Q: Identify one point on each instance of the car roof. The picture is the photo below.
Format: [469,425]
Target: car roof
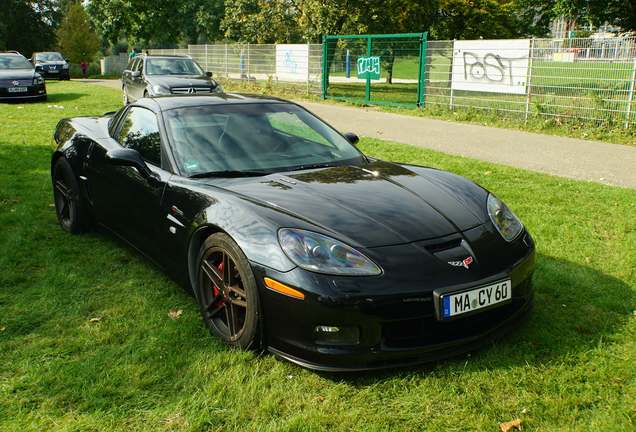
[11,54]
[180,56]
[183,101]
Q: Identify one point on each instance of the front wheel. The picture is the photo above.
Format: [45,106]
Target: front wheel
[227,293]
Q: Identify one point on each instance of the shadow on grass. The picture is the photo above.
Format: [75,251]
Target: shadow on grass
[64,97]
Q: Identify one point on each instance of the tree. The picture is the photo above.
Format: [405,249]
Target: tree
[151,23]
[76,39]
[27,26]
[474,19]
[593,12]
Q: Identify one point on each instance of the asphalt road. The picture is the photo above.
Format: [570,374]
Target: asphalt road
[595,161]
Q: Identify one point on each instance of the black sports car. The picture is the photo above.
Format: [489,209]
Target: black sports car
[290,238]
[18,80]
[51,65]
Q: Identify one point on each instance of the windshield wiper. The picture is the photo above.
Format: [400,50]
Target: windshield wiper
[311,166]
[229,173]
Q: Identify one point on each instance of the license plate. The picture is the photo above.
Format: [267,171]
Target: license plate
[17,89]
[475,299]
[52,70]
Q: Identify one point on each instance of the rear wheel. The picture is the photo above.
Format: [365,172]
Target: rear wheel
[227,293]
[69,207]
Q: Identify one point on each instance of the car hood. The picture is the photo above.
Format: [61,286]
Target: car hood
[16,74]
[56,63]
[170,81]
[379,204]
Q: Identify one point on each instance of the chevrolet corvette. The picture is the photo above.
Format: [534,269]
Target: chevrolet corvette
[292,240]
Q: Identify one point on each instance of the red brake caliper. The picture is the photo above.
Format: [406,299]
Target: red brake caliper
[215,289]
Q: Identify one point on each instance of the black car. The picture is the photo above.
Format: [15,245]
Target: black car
[19,80]
[51,65]
[154,75]
[290,238]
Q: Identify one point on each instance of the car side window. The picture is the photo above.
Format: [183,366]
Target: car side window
[140,131]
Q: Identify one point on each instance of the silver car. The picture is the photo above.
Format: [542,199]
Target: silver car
[157,75]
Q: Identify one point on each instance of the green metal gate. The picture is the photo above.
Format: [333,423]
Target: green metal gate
[387,69]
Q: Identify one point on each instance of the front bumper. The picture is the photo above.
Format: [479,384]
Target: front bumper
[34,92]
[58,73]
[397,329]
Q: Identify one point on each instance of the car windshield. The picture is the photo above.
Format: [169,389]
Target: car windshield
[49,57]
[172,66]
[14,62]
[261,137]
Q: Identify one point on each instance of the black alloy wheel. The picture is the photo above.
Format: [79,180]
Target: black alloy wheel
[227,293]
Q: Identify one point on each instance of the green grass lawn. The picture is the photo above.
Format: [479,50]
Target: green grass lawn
[86,342]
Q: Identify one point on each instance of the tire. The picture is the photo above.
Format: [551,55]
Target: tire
[69,206]
[228,300]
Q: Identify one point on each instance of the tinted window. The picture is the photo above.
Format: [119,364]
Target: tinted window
[140,131]
[14,62]
[256,136]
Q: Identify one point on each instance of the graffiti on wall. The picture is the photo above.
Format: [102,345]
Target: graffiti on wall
[497,66]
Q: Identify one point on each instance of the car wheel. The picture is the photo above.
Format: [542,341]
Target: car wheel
[227,293]
[69,207]
[126,101]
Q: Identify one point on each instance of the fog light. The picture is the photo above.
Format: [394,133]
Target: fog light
[332,335]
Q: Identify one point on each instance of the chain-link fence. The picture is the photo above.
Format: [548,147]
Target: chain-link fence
[298,64]
[585,79]
[591,80]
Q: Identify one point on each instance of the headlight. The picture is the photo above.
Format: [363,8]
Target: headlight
[65,66]
[316,252]
[160,90]
[507,223]
[38,80]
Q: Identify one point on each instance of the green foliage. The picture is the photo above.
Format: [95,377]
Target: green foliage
[75,37]
[261,21]
[29,26]
[538,13]
[472,19]
[151,23]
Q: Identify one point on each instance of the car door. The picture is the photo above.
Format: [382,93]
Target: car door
[126,75]
[128,202]
[139,84]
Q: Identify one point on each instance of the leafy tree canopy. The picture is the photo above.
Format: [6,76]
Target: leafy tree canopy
[29,26]
[152,23]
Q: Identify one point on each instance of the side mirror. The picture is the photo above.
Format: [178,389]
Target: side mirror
[136,74]
[132,158]
[351,137]
[208,74]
